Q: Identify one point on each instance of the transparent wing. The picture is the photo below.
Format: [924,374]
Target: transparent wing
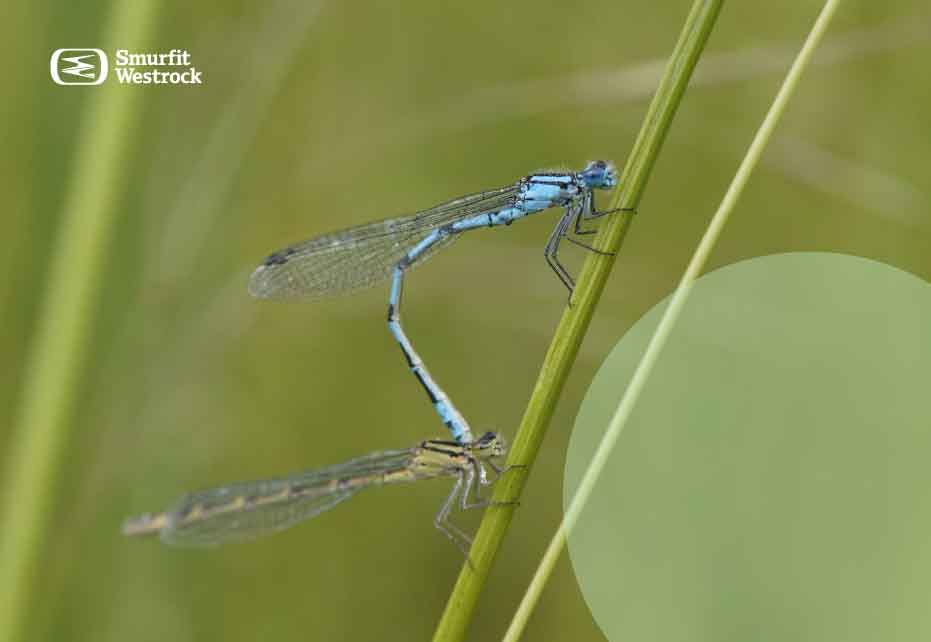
[249,509]
[232,525]
[361,256]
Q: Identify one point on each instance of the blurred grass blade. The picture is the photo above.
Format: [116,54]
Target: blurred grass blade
[197,209]
[64,328]
[521,98]
[859,183]
[575,320]
[668,320]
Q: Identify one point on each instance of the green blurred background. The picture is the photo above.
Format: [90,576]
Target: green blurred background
[315,116]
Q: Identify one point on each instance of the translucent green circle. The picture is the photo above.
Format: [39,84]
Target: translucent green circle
[773,482]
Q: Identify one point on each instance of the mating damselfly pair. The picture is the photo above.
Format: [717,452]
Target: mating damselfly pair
[353,259]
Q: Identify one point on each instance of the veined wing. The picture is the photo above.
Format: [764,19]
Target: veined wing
[358,257]
[249,509]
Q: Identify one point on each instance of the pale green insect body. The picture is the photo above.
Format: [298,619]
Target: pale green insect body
[244,510]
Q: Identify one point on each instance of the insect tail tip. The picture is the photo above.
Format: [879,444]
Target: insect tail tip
[147,524]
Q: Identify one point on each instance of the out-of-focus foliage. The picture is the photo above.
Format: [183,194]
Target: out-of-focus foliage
[315,116]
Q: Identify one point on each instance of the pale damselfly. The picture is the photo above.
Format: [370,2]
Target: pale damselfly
[361,256]
[245,510]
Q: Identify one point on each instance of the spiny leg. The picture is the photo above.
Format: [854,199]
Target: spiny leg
[501,471]
[589,247]
[454,421]
[475,471]
[593,209]
[484,481]
[442,523]
[593,213]
[559,232]
[588,205]
[441,520]
[552,248]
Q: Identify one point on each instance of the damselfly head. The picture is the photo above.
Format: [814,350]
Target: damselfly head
[489,445]
[599,174]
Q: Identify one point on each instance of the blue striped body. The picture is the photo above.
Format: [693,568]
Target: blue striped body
[348,260]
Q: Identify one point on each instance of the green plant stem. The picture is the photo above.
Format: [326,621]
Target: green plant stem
[575,320]
[64,328]
[663,329]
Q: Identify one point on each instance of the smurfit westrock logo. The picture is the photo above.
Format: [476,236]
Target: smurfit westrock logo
[135,68]
[91,67]
[79,66]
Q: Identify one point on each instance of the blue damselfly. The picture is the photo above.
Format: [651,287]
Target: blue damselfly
[361,256]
